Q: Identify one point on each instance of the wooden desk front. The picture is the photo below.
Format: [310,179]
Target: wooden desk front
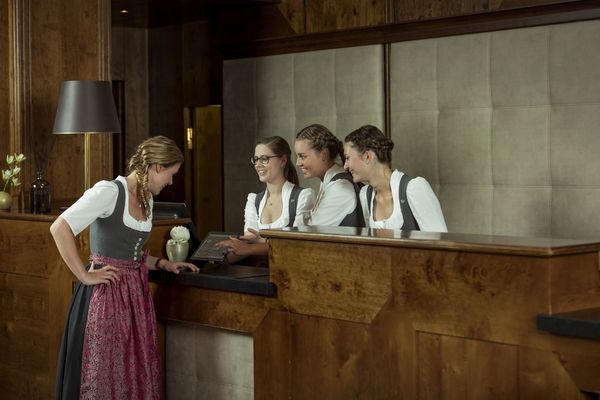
[358,314]
[382,315]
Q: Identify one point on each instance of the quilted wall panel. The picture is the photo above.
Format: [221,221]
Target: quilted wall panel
[506,127]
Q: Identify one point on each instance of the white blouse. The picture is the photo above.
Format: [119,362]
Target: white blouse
[422,201]
[335,200]
[306,199]
[99,202]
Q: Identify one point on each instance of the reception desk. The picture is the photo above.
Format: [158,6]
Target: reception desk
[343,313]
[406,315]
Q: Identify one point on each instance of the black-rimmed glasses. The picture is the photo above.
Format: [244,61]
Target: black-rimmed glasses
[264,160]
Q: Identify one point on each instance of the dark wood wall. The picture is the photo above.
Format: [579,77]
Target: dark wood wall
[4,94]
[318,16]
[51,41]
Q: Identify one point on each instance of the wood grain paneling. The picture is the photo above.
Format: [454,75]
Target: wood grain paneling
[272,355]
[35,288]
[331,15]
[506,4]
[293,11]
[351,292]
[575,287]
[421,9]
[4,83]
[130,64]
[166,95]
[328,358]
[542,372]
[457,25]
[55,41]
[197,62]
[457,368]
[453,321]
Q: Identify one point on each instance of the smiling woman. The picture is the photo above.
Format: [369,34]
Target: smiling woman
[282,202]
[110,334]
[337,202]
[391,199]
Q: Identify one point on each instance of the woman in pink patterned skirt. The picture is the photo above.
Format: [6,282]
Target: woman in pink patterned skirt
[109,348]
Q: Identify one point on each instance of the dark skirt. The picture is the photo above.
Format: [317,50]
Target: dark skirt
[68,374]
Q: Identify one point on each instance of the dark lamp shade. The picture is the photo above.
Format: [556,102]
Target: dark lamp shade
[86,107]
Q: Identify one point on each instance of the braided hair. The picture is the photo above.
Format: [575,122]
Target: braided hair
[321,138]
[155,150]
[280,147]
[368,137]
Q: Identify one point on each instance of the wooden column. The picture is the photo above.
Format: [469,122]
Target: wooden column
[51,41]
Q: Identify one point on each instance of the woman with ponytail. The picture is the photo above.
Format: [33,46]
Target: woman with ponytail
[109,348]
[391,199]
[282,203]
[337,201]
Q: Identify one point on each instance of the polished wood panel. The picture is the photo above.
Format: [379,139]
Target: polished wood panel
[129,63]
[166,95]
[199,63]
[5,126]
[207,181]
[371,317]
[293,11]
[456,25]
[542,370]
[331,15]
[450,367]
[453,319]
[420,9]
[530,246]
[35,288]
[54,41]
[505,4]
[352,292]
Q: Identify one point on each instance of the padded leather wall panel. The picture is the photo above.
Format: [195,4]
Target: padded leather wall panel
[506,126]
[279,95]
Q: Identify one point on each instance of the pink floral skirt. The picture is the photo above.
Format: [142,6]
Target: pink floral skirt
[119,352]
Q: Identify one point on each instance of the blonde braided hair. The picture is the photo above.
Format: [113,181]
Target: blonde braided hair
[155,150]
[321,138]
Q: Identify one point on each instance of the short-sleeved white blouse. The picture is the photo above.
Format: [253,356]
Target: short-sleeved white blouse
[99,202]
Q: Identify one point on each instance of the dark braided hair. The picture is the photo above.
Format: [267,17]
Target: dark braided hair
[368,137]
[321,138]
[155,150]
[280,146]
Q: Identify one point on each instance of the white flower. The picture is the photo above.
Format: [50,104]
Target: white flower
[180,234]
[9,175]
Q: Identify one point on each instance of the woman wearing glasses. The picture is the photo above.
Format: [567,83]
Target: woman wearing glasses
[337,202]
[282,203]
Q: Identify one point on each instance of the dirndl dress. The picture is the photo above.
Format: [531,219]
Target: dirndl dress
[109,348]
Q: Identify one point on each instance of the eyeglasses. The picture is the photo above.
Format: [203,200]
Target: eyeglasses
[264,160]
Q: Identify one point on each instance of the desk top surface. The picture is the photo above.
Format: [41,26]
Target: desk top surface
[527,246]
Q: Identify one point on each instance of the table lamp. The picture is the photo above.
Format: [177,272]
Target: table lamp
[86,107]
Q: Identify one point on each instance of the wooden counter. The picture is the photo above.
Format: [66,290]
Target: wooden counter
[357,313]
[389,314]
